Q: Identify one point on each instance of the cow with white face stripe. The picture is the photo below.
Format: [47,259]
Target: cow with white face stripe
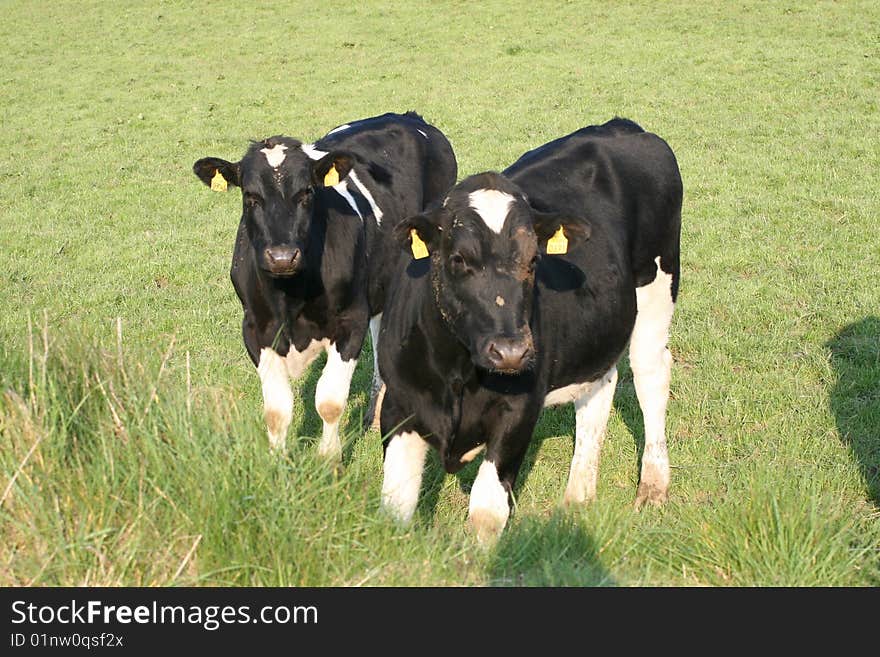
[535,282]
[307,265]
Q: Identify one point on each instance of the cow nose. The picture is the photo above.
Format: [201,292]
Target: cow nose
[509,354]
[282,259]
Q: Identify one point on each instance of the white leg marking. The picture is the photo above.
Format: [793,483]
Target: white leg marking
[377,391]
[651,364]
[488,509]
[471,454]
[331,396]
[298,361]
[275,156]
[362,188]
[591,412]
[492,206]
[277,397]
[403,467]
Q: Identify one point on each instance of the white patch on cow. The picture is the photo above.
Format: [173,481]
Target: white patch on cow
[298,361]
[277,397]
[331,396]
[471,454]
[488,509]
[651,365]
[275,155]
[423,133]
[566,394]
[341,188]
[377,212]
[592,409]
[499,301]
[402,480]
[311,152]
[492,206]
[339,129]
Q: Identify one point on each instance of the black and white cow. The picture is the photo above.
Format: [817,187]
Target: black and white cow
[480,336]
[307,254]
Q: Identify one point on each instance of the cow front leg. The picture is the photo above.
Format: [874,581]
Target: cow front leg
[331,397]
[488,509]
[277,397]
[489,506]
[591,415]
[275,373]
[402,474]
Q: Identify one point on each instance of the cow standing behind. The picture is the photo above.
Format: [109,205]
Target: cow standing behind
[480,336]
[306,260]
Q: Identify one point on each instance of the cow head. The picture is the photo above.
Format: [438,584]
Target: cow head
[279,183]
[484,243]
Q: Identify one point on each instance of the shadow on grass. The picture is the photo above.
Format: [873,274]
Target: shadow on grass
[532,551]
[554,551]
[855,397]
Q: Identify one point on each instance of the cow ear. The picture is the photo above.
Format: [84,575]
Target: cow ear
[217,173]
[558,234]
[332,168]
[420,235]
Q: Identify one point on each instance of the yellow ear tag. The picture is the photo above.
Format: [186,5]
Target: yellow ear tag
[419,248]
[558,244]
[218,182]
[332,177]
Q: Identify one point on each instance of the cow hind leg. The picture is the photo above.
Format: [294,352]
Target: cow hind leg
[331,397]
[402,474]
[651,365]
[377,390]
[277,397]
[591,415]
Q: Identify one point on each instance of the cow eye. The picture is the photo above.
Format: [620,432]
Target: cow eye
[304,197]
[533,263]
[252,200]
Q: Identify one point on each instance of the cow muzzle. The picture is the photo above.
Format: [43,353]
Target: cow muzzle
[509,355]
[282,260]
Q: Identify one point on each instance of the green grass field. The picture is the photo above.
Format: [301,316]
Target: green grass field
[132,448]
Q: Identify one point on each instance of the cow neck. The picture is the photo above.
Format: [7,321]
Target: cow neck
[449,364]
[288,295]
[444,343]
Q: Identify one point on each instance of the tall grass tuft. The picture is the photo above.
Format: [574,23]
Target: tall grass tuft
[120,471]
